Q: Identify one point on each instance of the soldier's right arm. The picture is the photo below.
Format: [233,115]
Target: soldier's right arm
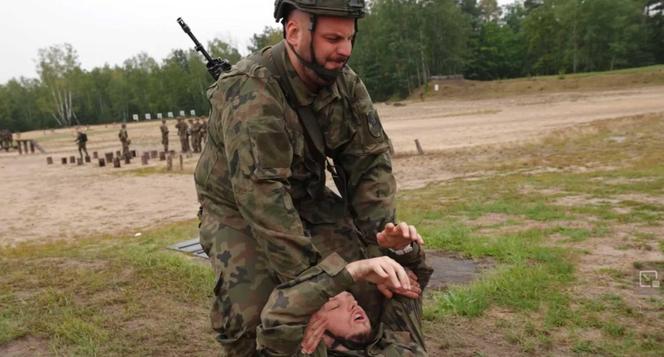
[259,152]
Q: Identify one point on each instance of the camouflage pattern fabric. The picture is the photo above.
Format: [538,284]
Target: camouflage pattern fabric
[255,176]
[82,145]
[204,130]
[124,139]
[164,136]
[287,312]
[182,128]
[196,136]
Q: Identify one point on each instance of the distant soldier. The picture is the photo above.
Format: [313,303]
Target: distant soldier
[182,128]
[3,139]
[82,140]
[7,139]
[124,139]
[189,145]
[204,129]
[196,135]
[164,134]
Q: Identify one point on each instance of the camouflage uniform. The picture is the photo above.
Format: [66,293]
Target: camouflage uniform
[196,136]
[182,128]
[204,129]
[7,139]
[124,139]
[290,306]
[82,140]
[267,215]
[164,135]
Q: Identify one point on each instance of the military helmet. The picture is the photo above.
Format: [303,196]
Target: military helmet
[341,8]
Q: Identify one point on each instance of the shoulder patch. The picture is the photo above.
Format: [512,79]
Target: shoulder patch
[375,128]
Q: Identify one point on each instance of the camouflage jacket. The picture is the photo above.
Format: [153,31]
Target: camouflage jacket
[164,130]
[195,128]
[182,128]
[287,312]
[254,172]
[123,136]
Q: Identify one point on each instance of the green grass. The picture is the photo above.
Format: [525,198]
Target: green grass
[107,295]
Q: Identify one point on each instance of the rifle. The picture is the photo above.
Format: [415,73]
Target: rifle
[214,65]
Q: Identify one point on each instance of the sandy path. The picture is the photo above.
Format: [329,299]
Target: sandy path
[51,202]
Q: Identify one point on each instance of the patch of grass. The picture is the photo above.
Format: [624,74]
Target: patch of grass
[108,295]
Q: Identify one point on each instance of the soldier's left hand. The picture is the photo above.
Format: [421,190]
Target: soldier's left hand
[313,333]
[413,293]
[398,237]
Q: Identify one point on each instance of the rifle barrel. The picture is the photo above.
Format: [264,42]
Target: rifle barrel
[199,47]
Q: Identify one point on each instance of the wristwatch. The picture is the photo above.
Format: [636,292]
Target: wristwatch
[407,249]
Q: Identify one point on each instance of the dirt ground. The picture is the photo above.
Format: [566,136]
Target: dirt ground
[43,203]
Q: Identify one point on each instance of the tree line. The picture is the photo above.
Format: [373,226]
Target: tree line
[400,45]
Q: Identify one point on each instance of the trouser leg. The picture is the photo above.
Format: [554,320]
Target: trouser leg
[402,314]
[242,288]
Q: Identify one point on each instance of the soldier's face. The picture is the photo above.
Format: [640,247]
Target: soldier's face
[346,319]
[333,41]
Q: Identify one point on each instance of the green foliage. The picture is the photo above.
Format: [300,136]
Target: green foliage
[108,94]
[400,45]
[270,36]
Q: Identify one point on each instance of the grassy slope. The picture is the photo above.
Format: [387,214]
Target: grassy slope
[620,79]
[128,295]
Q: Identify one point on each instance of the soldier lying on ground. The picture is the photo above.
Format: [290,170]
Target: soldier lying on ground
[321,318]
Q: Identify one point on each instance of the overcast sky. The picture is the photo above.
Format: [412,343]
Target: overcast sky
[110,31]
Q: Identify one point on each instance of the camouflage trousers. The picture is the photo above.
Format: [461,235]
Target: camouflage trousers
[81,149]
[164,141]
[184,143]
[244,283]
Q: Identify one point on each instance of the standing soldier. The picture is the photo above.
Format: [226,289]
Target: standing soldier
[164,134]
[182,128]
[124,139]
[7,139]
[196,136]
[277,120]
[3,139]
[204,129]
[82,141]
[188,141]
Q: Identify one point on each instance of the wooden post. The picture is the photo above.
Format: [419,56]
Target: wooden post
[32,147]
[153,154]
[127,160]
[116,162]
[102,162]
[49,161]
[162,156]
[95,155]
[79,162]
[64,161]
[72,159]
[181,163]
[109,157]
[169,163]
[20,148]
[419,147]
[133,153]
[87,159]
[144,159]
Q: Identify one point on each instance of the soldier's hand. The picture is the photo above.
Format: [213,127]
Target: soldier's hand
[398,237]
[313,333]
[381,270]
[414,292]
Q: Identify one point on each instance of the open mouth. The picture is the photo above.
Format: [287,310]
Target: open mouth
[358,315]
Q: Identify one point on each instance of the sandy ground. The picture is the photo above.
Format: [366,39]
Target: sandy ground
[62,202]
